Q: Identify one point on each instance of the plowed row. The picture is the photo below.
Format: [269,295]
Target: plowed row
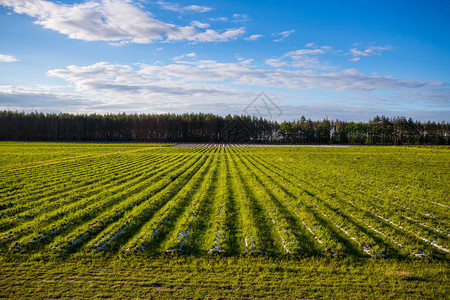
[354,201]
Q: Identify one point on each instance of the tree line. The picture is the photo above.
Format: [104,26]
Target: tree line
[210,128]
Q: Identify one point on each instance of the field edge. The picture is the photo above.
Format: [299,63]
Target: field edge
[182,276]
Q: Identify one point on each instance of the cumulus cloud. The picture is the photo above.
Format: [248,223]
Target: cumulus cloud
[282,35]
[199,24]
[207,77]
[211,86]
[144,82]
[7,58]
[210,35]
[177,8]
[114,21]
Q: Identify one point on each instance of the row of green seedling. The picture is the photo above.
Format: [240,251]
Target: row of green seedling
[106,200]
[95,187]
[357,208]
[164,203]
[95,223]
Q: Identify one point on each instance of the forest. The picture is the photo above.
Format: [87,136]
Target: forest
[210,128]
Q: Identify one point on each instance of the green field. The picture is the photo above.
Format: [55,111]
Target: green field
[224,221]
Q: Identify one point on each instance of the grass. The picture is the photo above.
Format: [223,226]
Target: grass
[97,220]
[183,276]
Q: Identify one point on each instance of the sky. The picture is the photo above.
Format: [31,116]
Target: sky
[346,60]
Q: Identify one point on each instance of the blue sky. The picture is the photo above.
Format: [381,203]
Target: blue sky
[347,60]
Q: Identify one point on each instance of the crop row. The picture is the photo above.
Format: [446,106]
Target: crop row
[228,200]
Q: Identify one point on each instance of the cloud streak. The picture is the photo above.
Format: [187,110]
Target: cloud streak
[283,35]
[303,58]
[7,58]
[182,9]
[371,51]
[43,98]
[31,99]
[254,37]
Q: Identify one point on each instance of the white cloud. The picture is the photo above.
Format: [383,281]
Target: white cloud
[245,61]
[197,8]
[305,52]
[355,59]
[349,112]
[7,58]
[240,18]
[211,86]
[302,58]
[115,21]
[221,19]
[254,37]
[283,35]
[177,8]
[371,51]
[184,55]
[327,48]
[310,45]
[213,36]
[32,98]
[151,88]
[198,79]
[275,62]
[42,98]
[199,24]
[307,62]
